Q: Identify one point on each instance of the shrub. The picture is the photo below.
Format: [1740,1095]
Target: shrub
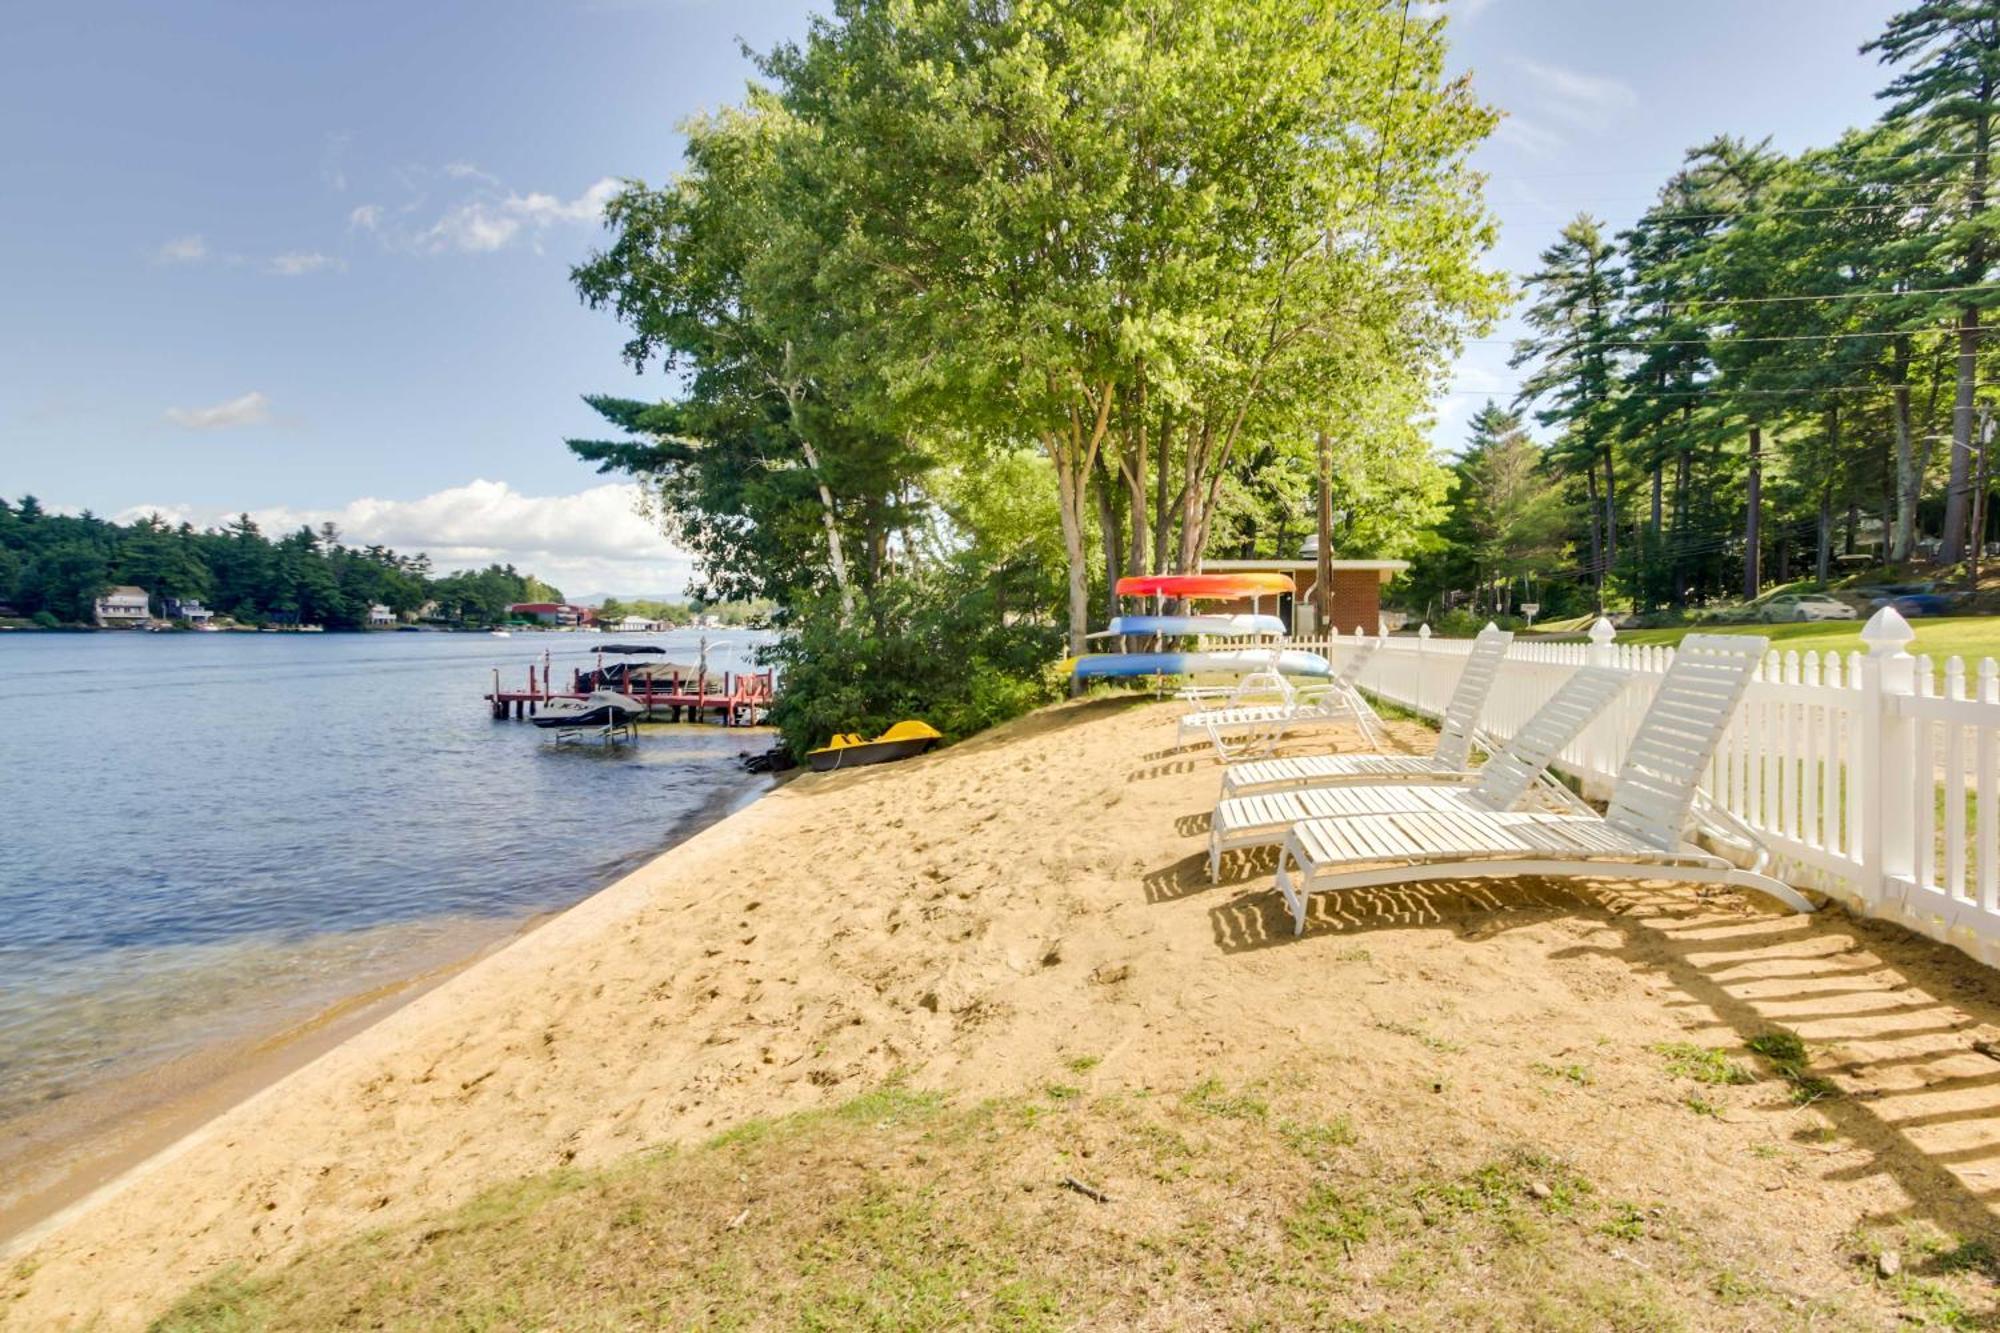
[927,646]
[46,620]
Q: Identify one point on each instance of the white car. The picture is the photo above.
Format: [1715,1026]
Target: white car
[1798,606]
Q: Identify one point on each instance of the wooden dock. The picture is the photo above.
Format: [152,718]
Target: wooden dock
[733,698]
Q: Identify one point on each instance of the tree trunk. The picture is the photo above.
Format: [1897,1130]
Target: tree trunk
[836,557]
[1909,479]
[1958,495]
[1610,510]
[1683,478]
[1069,490]
[1132,463]
[1753,535]
[1957,500]
[1112,536]
[1596,535]
[1823,555]
[1323,566]
[1074,453]
[1163,522]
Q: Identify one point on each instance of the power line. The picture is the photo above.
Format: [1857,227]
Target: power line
[1683,166]
[1727,339]
[1834,296]
[1499,390]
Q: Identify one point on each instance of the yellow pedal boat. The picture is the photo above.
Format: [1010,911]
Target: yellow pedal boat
[901,741]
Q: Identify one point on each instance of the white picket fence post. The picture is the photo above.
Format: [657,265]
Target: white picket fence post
[1863,778]
[1884,760]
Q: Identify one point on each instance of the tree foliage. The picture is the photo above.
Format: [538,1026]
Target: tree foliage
[1783,361]
[57,565]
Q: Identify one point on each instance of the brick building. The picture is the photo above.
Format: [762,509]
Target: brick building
[1357,591]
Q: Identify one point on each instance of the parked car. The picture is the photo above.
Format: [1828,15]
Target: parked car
[1912,604]
[1803,606]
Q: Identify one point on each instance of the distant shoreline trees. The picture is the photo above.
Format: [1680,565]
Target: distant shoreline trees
[56,565]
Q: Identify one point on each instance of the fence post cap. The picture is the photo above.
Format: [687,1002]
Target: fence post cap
[1424,630]
[1602,630]
[1887,633]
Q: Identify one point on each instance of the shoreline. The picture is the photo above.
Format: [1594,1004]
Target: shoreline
[1020,932]
[130,1120]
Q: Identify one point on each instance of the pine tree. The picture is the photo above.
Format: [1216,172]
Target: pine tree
[1947,94]
[1578,297]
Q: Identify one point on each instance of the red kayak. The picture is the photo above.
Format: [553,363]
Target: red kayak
[1205,585]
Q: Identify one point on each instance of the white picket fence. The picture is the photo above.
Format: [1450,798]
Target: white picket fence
[1867,775]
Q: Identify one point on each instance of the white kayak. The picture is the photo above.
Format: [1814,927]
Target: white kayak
[1222,626]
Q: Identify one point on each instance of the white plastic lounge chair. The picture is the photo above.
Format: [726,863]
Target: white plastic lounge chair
[1337,701]
[1258,688]
[1449,762]
[1640,837]
[1262,817]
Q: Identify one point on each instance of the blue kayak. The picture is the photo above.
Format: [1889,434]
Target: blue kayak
[1219,625]
[1229,661]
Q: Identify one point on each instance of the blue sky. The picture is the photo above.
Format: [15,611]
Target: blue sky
[310,260]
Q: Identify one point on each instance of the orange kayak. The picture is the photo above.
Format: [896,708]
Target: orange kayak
[1205,585]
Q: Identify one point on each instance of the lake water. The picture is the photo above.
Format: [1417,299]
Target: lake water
[204,837]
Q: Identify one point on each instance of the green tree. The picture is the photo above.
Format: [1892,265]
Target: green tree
[1575,312]
[1945,94]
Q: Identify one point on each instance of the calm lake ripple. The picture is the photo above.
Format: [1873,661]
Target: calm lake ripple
[206,836]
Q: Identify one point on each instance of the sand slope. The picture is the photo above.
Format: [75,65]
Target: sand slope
[975,916]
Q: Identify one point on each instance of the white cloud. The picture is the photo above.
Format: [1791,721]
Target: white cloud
[182,250]
[296,263]
[332,162]
[1463,11]
[591,541]
[462,171]
[365,218]
[250,409]
[1526,135]
[1576,96]
[484,225]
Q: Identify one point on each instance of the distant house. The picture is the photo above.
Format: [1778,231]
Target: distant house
[124,605]
[380,615]
[633,625]
[551,613]
[189,609]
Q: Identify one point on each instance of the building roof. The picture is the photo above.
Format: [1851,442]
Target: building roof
[1386,569]
[126,590]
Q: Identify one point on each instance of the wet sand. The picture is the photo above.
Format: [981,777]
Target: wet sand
[56,1157]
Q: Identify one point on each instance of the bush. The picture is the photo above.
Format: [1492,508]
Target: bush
[46,620]
[917,647]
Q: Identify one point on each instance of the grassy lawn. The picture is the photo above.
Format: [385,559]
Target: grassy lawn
[1970,637]
[1250,1207]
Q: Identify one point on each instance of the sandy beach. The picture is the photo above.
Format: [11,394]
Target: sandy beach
[970,921]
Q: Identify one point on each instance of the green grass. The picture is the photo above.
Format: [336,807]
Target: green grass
[1703,1064]
[1970,637]
[1788,1058]
[899,1211]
